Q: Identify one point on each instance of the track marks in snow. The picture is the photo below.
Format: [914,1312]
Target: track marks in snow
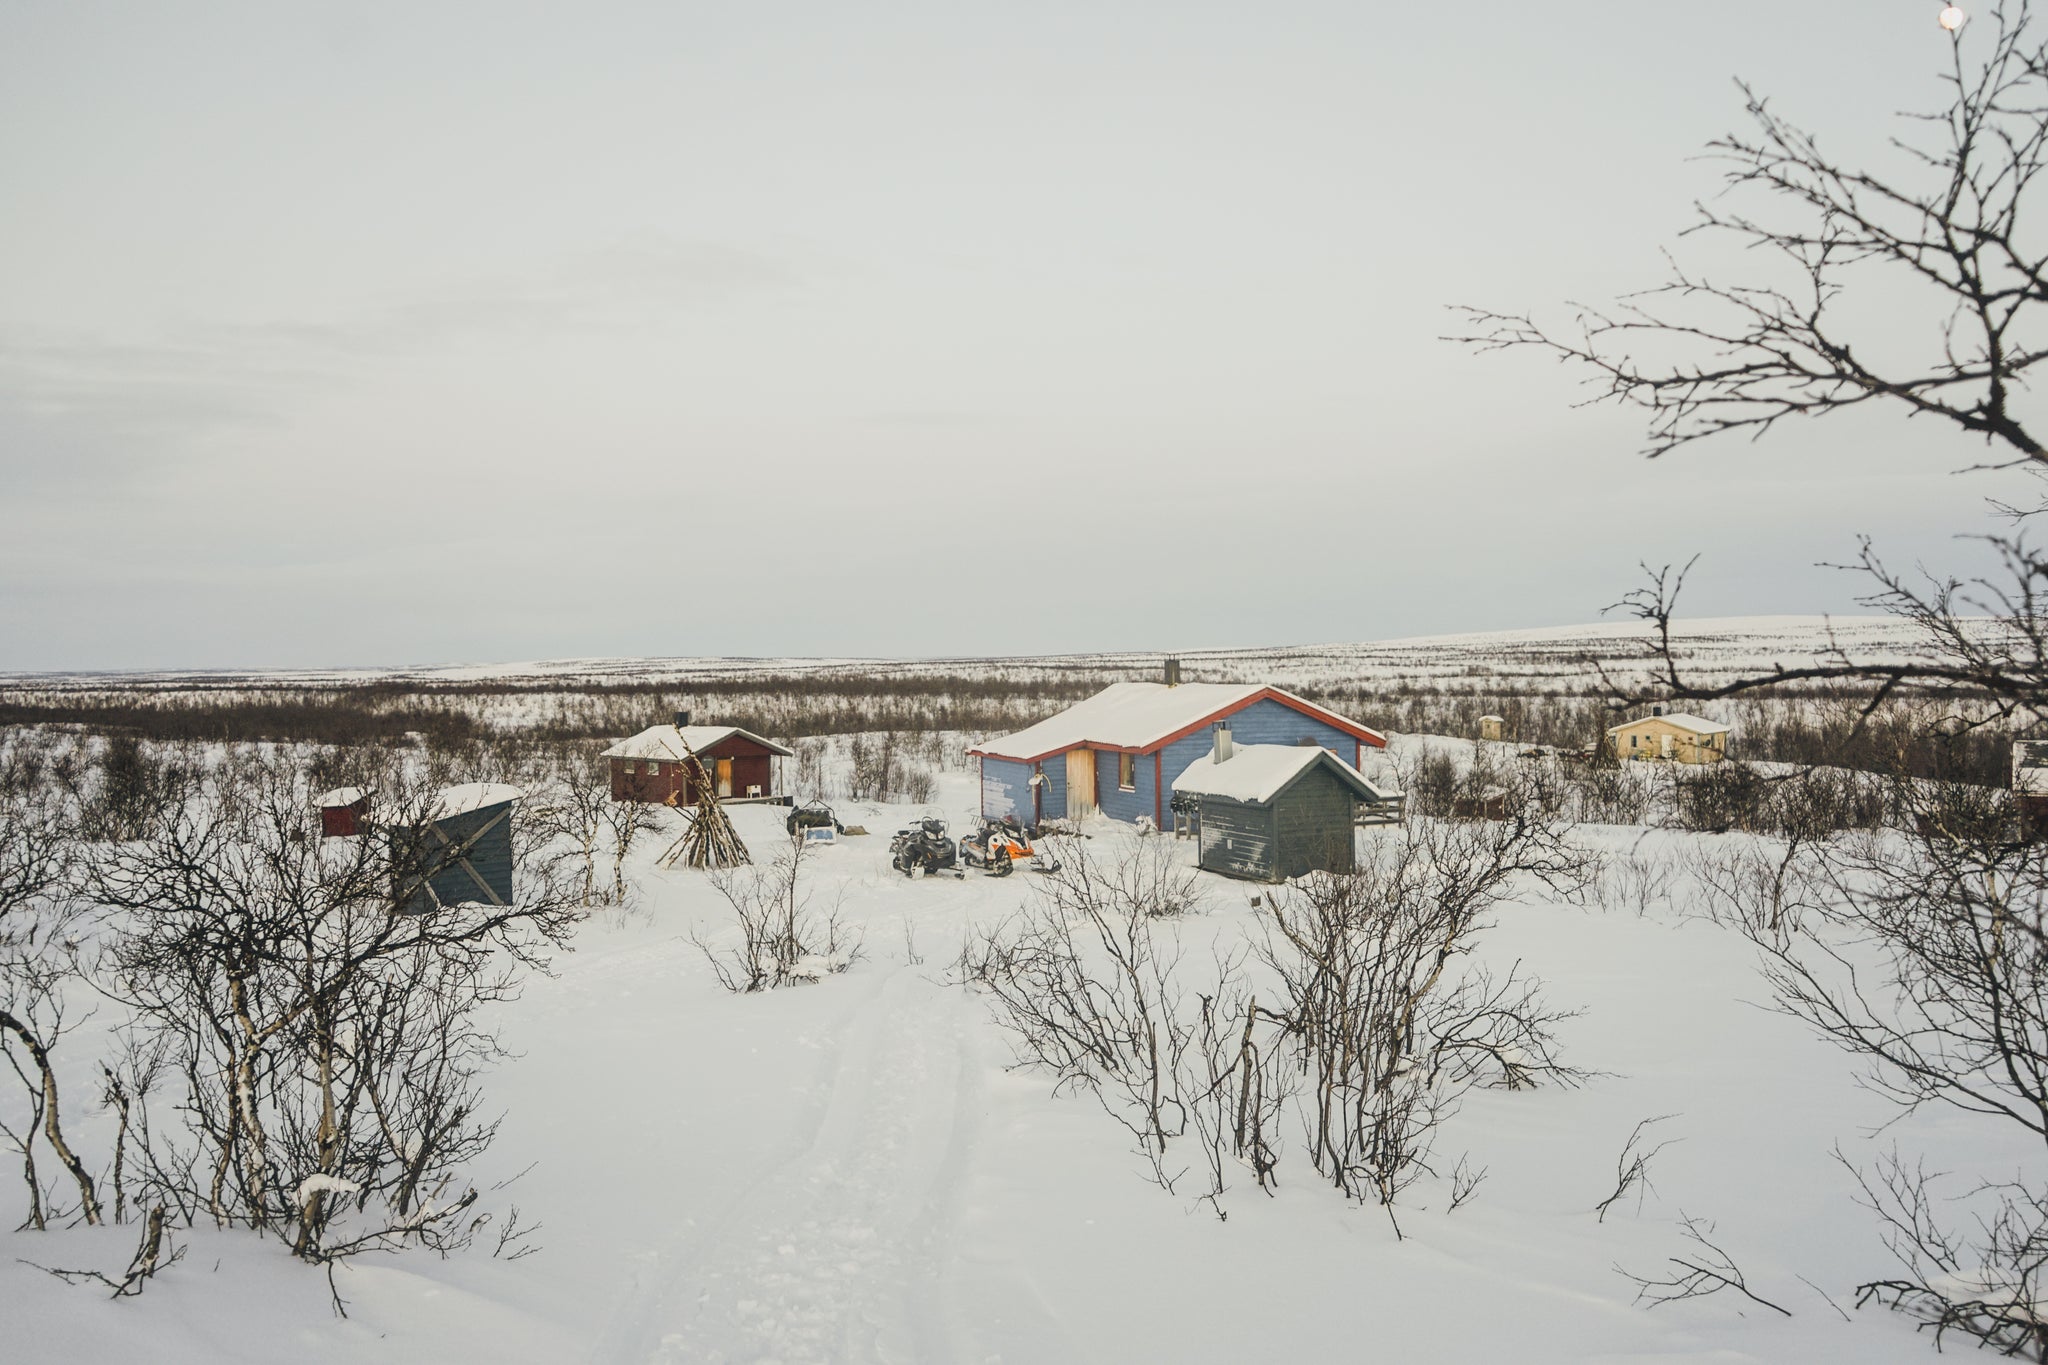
[838,1254]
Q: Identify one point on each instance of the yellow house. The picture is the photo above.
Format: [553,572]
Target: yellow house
[1676,737]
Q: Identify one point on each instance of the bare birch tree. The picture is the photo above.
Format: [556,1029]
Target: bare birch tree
[326,1027]
[1922,958]
[38,960]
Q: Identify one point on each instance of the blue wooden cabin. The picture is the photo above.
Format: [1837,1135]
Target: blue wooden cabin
[1119,751]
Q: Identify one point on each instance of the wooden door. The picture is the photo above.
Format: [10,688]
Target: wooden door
[724,778]
[1080,782]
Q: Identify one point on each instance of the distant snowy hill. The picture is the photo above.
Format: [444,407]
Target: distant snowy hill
[1521,660]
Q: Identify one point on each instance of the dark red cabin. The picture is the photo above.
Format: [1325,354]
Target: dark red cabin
[659,764]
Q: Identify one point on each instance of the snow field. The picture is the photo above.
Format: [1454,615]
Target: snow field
[849,1172]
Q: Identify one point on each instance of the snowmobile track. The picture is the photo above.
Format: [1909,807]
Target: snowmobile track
[837,1254]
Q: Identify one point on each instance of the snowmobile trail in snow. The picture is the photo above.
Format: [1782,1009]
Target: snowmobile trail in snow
[840,1253]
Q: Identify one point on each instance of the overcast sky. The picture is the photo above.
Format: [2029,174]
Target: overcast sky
[376,334]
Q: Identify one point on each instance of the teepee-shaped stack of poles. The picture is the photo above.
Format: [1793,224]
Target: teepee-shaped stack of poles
[709,840]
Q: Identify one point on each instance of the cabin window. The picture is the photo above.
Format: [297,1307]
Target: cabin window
[1126,772]
[1633,740]
[629,767]
[654,770]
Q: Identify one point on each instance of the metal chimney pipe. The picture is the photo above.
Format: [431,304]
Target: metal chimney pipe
[1173,672]
[1223,749]
[682,719]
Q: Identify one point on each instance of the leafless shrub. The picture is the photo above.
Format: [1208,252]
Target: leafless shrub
[782,941]
[1927,960]
[130,787]
[1090,993]
[1637,881]
[513,1243]
[1386,1025]
[872,759]
[153,1253]
[1431,783]
[1495,1032]
[39,957]
[327,1034]
[1606,794]
[889,766]
[1757,886]
[573,804]
[1370,1024]
[1147,878]
[809,778]
[1718,797]
[1465,1182]
[912,781]
[1697,1274]
[1632,1167]
[624,822]
[1088,979]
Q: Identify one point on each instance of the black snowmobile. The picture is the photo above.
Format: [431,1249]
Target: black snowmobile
[923,849]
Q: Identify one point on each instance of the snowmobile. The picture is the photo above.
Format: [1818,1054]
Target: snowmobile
[923,848]
[999,845]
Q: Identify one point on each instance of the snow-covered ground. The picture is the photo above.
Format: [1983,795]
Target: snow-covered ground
[1535,659]
[852,1171]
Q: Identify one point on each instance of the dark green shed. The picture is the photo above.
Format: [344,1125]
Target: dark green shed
[461,852]
[1268,812]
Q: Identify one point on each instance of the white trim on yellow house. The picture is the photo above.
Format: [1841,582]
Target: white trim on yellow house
[1679,738]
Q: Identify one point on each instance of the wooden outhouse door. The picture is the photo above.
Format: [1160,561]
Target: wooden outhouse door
[1080,782]
[724,778]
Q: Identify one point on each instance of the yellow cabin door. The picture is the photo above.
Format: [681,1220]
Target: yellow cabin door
[724,778]
[1080,782]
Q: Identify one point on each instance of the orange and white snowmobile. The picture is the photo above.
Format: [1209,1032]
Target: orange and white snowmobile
[1000,846]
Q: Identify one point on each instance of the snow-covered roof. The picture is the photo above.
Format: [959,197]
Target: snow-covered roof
[1145,715]
[1256,773]
[340,796]
[471,796]
[1684,720]
[2030,767]
[680,741]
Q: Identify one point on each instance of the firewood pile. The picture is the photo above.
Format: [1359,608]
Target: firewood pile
[709,840]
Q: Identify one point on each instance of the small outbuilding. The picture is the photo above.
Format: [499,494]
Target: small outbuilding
[1491,727]
[461,852]
[1675,737]
[343,812]
[2030,786]
[657,766]
[1267,812]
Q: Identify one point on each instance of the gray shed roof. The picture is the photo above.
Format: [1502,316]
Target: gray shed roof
[1257,774]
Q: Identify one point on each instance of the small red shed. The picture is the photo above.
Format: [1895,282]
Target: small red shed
[343,812]
[656,766]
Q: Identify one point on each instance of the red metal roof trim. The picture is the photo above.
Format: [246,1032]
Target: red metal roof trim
[1287,699]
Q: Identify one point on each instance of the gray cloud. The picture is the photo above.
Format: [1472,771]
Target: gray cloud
[309,327]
